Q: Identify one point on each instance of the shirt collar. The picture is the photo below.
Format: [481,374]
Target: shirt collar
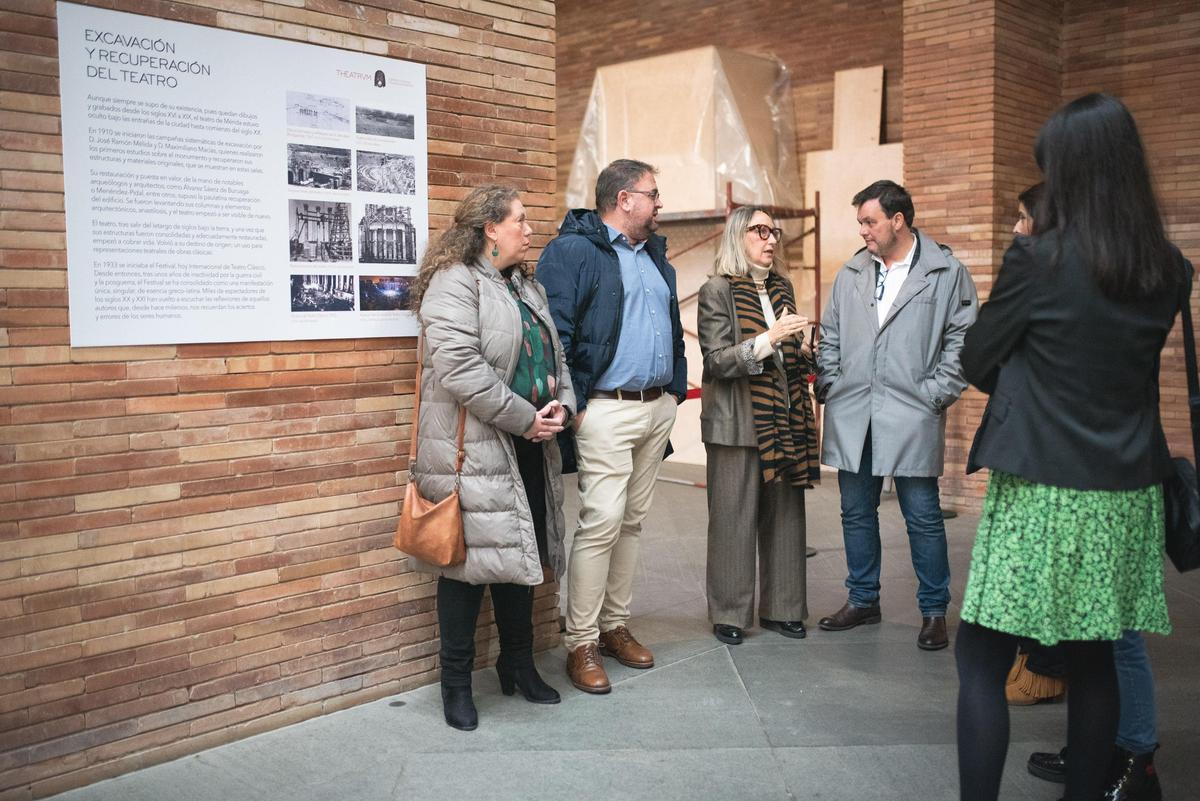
[615,236]
[906,262]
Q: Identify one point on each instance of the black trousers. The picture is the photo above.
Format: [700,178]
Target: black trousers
[1045,660]
[458,602]
[531,461]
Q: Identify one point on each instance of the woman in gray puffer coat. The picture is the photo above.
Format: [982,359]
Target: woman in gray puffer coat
[491,347]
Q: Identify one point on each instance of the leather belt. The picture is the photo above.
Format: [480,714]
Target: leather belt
[643,395]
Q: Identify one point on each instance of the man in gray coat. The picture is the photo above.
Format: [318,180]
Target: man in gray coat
[888,368]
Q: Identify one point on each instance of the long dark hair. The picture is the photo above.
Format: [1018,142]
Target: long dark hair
[1098,194]
[1031,197]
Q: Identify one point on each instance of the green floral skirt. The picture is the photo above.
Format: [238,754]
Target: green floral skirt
[1055,564]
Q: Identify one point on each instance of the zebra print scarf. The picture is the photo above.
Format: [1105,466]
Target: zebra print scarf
[784,423]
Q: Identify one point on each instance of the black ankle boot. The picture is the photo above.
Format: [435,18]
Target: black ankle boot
[527,680]
[1133,778]
[459,708]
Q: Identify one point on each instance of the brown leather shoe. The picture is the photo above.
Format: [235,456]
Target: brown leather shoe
[933,634]
[629,652]
[850,616]
[586,669]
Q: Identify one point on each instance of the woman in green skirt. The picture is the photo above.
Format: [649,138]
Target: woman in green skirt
[1069,547]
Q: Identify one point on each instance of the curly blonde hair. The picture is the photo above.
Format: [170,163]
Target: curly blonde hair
[463,241]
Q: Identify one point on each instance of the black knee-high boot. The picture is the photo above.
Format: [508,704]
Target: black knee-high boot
[458,610]
[513,605]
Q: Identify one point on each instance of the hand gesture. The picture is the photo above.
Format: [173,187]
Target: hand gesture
[788,325]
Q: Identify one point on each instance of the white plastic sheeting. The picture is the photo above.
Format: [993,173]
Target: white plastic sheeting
[704,118]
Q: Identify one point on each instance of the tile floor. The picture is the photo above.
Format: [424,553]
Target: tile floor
[860,715]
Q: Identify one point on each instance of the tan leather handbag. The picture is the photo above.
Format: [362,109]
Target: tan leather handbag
[432,532]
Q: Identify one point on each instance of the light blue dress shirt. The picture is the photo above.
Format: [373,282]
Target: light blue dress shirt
[644,357]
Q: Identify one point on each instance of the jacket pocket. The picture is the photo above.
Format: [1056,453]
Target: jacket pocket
[933,395]
[831,390]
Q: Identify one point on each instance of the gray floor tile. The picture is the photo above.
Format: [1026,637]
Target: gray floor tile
[887,773]
[617,775]
[697,702]
[868,693]
[861,715]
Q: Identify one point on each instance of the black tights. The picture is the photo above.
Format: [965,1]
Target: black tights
[984,658]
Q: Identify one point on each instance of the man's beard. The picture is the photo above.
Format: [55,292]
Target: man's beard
[646,229]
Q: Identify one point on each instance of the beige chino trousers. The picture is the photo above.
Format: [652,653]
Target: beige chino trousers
[619,449]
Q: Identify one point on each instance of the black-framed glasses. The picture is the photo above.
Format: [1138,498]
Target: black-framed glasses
[650,193]
[881,274]
[765,231]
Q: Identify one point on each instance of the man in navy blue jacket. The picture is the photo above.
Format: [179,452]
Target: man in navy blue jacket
[614,302]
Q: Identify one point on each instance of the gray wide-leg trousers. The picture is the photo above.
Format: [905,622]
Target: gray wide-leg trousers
[746,516]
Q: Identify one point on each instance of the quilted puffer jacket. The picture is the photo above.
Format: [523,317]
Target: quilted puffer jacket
[472,331]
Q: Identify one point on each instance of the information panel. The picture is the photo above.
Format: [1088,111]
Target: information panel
[225,187]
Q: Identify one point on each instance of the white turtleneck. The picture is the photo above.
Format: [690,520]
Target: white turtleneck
[762,344]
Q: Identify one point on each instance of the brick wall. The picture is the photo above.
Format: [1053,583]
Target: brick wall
[814,39]
[1148,54]
[968,85]
[980,78]
[196,539]
[949,163]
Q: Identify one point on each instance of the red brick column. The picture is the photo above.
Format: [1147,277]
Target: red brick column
[979,79]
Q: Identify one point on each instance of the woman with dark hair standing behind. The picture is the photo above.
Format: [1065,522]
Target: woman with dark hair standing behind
[490,346]
[1027,201]
[759,432]
[1037,674]
[1069,547]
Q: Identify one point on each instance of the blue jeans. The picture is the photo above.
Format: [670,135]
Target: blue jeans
[1137,731]
[926,535]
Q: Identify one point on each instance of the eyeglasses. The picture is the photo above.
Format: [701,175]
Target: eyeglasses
[650,193]
[881,275]
[765,232]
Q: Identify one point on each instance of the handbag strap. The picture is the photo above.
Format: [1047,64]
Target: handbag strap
[462,420]
[1189,358]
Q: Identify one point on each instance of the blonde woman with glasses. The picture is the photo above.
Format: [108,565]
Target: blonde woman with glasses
[759,432]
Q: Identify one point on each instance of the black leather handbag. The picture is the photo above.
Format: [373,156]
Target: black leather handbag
[1181,493]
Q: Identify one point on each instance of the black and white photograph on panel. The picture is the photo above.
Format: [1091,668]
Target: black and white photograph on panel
[324,113]
[386,235]
[322,293]
[385,292]
[318,167]
[387,172]
[376,122]
[319,231]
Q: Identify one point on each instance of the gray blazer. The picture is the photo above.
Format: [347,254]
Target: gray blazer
[726,416]
[898,378]
[472,337]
